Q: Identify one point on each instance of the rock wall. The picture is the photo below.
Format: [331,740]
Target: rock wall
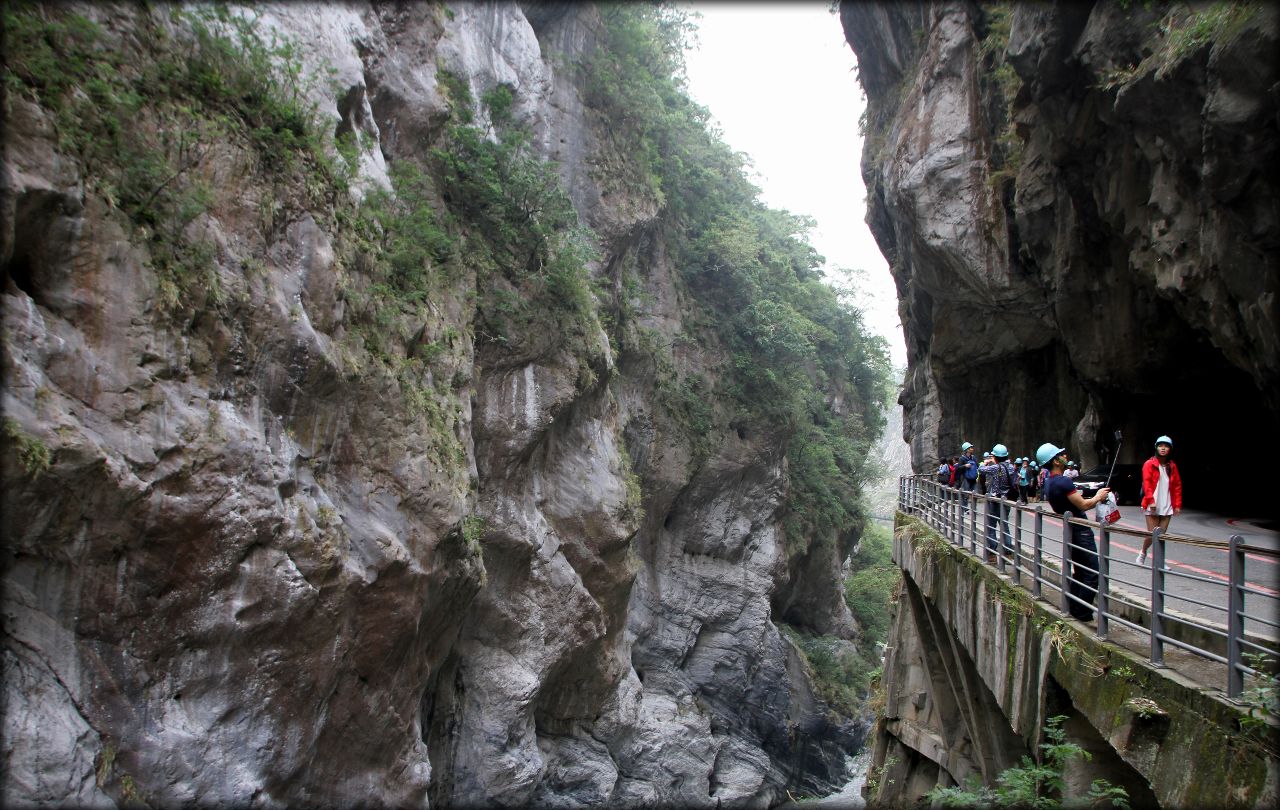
[243,567]
[1079,206]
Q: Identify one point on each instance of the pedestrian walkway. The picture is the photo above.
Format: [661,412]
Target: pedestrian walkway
[1216,600]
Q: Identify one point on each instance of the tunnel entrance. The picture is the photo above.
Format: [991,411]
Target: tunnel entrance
[1221,428]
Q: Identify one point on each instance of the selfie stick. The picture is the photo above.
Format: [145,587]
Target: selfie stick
[1113,460]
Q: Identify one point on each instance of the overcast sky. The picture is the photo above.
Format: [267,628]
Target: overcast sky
[780,81]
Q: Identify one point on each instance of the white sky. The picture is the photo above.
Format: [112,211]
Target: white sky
[780,81]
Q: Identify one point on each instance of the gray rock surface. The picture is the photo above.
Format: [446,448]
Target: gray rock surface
[253,575]
[1080,213]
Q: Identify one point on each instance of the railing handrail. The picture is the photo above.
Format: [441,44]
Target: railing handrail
[954,512]
[1181,539]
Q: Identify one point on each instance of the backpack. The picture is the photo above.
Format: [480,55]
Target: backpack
[944,474]
[1006,477]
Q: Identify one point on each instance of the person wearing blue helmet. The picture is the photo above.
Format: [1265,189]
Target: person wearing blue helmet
[969,464]
[1161,492]
[998,475]
[1025,478]
[1063,497]
[967,473]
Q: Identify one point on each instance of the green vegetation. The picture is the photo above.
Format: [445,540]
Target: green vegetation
[145,120]
[33,454]
[1181,32]
[143,128]
[1035,784]
[1006,155]
[876,775]
[847,675]
[1263,700]
[632,509]
[522,236]
[795,344]
[473,528]
[872,584]
[837,672]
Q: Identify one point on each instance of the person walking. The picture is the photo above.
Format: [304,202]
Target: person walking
[969,466]
[1063,497]
[967,473]
[998,474]
[944,475]
[944,471]
[1161,492]
[1024,479]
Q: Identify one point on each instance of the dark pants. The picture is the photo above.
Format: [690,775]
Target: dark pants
[998,524]
[1084,572]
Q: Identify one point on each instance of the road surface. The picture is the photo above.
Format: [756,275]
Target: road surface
[1196,572]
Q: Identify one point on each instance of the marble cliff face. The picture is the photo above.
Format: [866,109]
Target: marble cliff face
[242,568]
[1078,202]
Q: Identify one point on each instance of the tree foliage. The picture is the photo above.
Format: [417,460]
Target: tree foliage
[803,363]
[1036,784]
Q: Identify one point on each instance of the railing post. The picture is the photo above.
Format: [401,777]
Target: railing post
[1064,580]
[973,524]
[1157,597]
[946,513]
[988,509]
[1016,531]
[1104,577]
[1235,616]
[1037,553]
[956,518]
[947,520]
[1003,541]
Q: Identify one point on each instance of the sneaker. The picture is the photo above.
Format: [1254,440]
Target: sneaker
[1141,559]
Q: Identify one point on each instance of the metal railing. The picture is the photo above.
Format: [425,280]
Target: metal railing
[1013,538]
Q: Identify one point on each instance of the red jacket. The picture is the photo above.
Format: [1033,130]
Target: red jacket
[1151,479]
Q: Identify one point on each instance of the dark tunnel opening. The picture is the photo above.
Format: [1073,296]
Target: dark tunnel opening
[1220,425]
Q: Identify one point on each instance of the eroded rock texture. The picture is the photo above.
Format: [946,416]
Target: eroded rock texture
[1078,202]
[247,572]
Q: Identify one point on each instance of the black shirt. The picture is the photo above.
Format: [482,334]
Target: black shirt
[1057,488]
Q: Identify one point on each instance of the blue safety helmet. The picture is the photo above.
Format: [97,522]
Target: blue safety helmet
[1048,452]
[1000,451]
[965,446]
[1165,440]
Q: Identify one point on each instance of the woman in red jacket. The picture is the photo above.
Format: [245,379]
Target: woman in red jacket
[1161,492]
